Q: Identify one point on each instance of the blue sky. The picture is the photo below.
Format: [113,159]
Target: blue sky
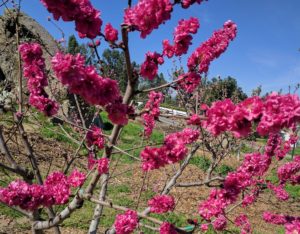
[265,52]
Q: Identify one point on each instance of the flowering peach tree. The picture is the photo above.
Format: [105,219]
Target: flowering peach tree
[207,127]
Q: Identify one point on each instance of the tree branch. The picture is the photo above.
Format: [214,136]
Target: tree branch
[26,175]
[197,184]
[129,93]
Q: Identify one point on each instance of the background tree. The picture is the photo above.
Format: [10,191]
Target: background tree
[256,91]
[113,65]
[74,47]
[223,88]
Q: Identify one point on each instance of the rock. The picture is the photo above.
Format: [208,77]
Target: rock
[29,31]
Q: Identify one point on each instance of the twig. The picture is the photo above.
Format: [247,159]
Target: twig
[68,135]
[197,184]
[122,208]
[161,86]
[79,111]
[19,66]
[124,152]
[27,176]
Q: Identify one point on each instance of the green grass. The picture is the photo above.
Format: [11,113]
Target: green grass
[262,140]
[50,130]
[200,161]
[147,195]
[203,163]
[117,189]
[246,149]
[119,194]
[172,107]
[131,137]
[7,211]
[81,218]
[51,133]
[224,169]
[296,151]
[293,190]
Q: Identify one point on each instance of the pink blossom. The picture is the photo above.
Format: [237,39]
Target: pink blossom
[249,199]
[173,150]
[147,15]
[220,223]
[189,135]
[274,218]
[76,178]
[194,120]
[253,166]
[214,205]
[126,223]
[149,123]
[182,35]
[291,224]
[19,193]
[168,49]
[293,227]
[152,108]
[44,104]
[119,113]
[83,80]
[188,3]
[97,43]
[103,165]
[274,141]
[96,90]
[57,184]
[279,191]
[161,204]
[238,124]
[86,17]
[252,108]
[190,81]
[111,34]
[34,71]
[275,113]
[280,111]
[282,150]
[94,44]
[204,227]
[92,161]
[218,116]
[152,158]
[95,137]
[149,67]
[288,172]
[32,52]
[54,191]
[167,228]
[276,146]
[243,222]
[211,49]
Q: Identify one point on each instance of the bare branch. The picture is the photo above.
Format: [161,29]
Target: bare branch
[27,176]
[197,184]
